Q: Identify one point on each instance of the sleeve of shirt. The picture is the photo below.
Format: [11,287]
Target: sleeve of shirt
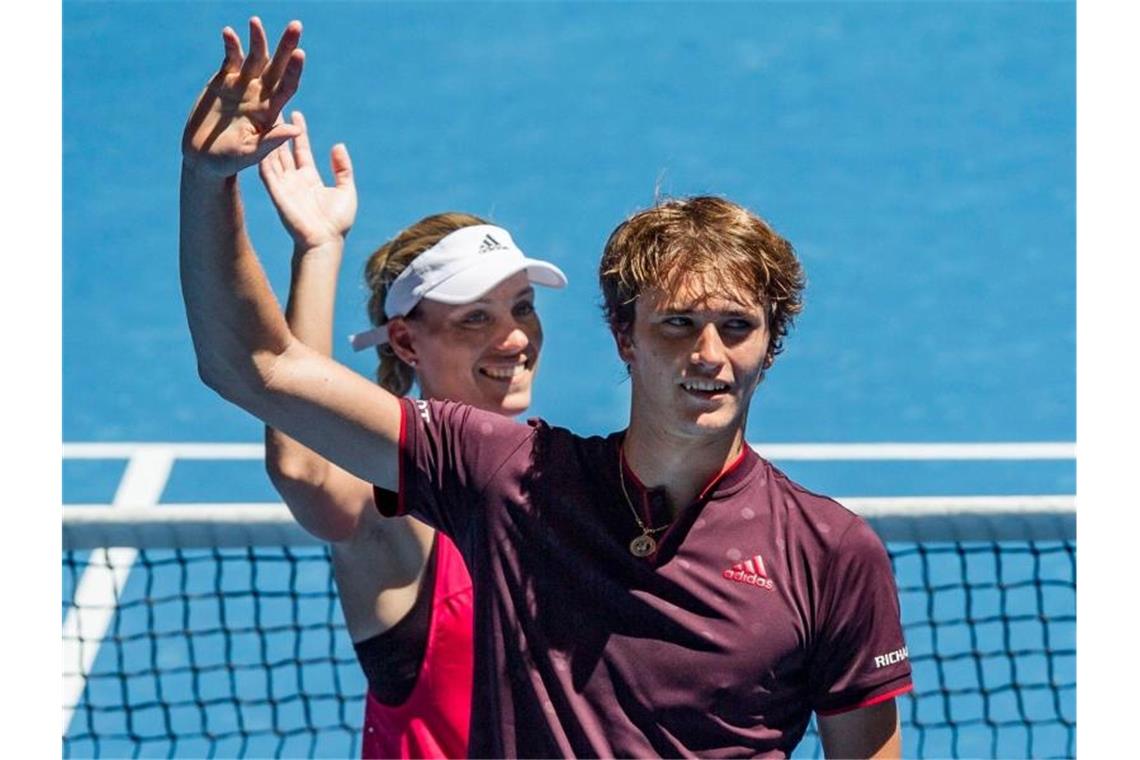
[861,657]
[449,456]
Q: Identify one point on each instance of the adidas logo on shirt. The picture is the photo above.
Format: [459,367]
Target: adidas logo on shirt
[490,244]
[751,573]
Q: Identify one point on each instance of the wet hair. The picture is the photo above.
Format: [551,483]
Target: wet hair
[729,249]
[385,265]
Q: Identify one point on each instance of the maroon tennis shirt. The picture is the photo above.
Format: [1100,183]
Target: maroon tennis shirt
[763,602]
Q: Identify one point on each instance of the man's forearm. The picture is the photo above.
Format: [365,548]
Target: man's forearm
[235,321]
[247,354]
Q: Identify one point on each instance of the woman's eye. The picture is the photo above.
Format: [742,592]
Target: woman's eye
[475,318]
[524,309]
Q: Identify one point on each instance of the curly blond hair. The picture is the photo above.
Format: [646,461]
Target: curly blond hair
[724,244]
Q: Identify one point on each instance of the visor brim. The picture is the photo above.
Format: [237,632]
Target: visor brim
[472,284]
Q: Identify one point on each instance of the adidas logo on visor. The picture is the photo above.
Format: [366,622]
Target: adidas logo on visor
[490,244]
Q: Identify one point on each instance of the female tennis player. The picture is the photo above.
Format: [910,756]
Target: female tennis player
[462,329]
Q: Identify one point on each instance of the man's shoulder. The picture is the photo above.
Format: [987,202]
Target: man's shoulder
[819,517]
[559,442]
[476,428]
[474,434]
[841,549]
[455,414]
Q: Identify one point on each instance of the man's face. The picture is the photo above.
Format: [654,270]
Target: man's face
[696,357]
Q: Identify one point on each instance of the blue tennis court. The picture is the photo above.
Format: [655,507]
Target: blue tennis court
[921,157]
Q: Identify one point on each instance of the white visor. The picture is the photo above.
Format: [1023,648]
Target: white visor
[458,269]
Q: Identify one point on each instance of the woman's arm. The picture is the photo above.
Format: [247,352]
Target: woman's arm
[378,562]
[326,500]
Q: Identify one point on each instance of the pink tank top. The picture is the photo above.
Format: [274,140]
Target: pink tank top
[433,721]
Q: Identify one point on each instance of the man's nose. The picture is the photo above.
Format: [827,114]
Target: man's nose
[709,349]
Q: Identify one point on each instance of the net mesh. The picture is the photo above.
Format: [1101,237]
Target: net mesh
[243,652]
[218,652]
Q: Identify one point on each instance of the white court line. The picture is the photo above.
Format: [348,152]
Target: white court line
[869,506]
[915,451]
[178,450]
[1027,450]
[97,593]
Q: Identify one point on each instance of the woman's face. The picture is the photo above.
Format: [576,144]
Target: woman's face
[482,353]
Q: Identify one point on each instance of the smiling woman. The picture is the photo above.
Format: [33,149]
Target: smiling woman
[453,306]
[453,311]
[485,351]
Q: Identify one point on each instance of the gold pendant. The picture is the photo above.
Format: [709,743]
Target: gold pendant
[642,546]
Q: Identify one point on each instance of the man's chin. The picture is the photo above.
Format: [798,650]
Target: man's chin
[716,422]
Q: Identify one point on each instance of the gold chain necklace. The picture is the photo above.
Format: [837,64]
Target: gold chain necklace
[645,544]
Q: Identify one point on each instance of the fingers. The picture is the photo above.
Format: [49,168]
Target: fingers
[257,59]
[290,80]
[273,167]
[270,169]
[302,151]
[279,77]
[284,158]
[289,40]
[231,64]
[285,153]
[341,166]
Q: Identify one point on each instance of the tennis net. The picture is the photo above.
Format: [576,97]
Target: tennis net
[214,630]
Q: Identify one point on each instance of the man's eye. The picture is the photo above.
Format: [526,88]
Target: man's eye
[678,321]
[738,325]
[475,318]
[524,309]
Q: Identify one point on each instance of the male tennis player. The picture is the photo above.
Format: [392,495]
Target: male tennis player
[661,591]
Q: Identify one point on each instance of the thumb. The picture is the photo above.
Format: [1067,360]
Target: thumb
[341,166]
[281,133]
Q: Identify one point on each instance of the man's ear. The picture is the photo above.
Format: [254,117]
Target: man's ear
[623,339]
[402,341]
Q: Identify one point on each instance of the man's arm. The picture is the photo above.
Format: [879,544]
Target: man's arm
[869,732]
[325,499]
[861,664]
[243,344]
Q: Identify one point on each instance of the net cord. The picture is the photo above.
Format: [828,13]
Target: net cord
[934,518]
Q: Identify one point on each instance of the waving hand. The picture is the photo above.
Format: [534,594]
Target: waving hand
[314,214]
[236,121]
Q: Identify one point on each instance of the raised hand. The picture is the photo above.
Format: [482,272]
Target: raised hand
[314,214]
[237,119]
